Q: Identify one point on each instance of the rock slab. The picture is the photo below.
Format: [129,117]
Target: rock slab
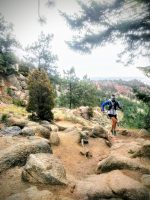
[44,168]
[18,154]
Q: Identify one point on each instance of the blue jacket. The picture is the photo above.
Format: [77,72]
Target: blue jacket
[109,103]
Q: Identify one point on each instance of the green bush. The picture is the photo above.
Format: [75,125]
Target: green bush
[134,113]
[41,95]
[4,118]
[8,90]
[18,102]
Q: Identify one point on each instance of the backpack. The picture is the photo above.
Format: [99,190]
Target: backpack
[113,105]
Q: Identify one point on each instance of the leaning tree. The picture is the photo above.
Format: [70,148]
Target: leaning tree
[105,21]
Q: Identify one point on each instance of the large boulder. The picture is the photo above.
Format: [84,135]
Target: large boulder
[21,77]
[26,131]
[21,122]
[124,132]
[17,154]
[74,133]
[12,79]
[144,151]
[113,185]
[12,130]
[42,131]
[23,84]
[44,168]
[120,162]
[32,193]
[126,187]
[46,124]
[39,130]
[99,131]
[146,180]
[54,138]
[85,112]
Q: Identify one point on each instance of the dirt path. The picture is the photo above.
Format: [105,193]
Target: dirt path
[77,166]
[74,163]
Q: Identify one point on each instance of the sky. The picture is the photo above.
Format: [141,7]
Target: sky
[100,63]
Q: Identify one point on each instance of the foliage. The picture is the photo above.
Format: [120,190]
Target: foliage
[7,43]
[146,70]
[145,98]
[41,95]
[100,22]
[42,19]
[40,54]
[18,102]
[17,111]
[4,118]
[87,93]
[77,92]
[24,68]
[134,113]
[69,84]
[9,91]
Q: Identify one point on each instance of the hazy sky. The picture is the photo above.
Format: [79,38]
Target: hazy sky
[101,63]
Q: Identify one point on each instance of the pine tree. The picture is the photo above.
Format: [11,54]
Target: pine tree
[39,54]
[41,95]
[7,43]
[76,92]
[101,22]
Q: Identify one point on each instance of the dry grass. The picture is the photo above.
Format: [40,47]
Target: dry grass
[63,114]
[13,109]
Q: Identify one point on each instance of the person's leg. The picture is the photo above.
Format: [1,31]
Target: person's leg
[114,123]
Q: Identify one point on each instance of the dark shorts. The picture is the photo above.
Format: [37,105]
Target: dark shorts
[110,115]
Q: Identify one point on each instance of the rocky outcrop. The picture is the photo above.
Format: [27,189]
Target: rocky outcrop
[12,79]
[46,124]
[32,193]
[26,131]
[145,179]
[54,138]
[11,131]
[21,122]
[113,185]
[124,132]
[18,154]
[99,131]
[120,162]
[44,168]
[39,130]
[144,151]
[18,87]
[86,112]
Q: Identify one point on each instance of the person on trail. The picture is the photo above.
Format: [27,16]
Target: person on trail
[113,105]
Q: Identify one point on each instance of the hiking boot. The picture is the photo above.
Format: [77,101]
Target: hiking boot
[113,132]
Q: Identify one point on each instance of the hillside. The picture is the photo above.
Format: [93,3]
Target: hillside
[43,160]
[121,87]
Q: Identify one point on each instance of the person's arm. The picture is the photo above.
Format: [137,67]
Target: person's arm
[103,105]
[119,106]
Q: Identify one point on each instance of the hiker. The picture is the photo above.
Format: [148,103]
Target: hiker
[113,105]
